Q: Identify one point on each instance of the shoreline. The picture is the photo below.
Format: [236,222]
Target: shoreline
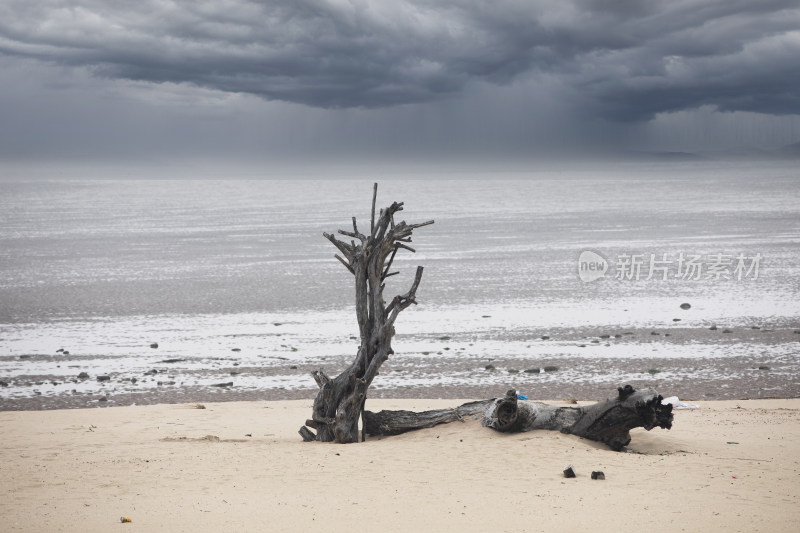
[727,465]
[688,362]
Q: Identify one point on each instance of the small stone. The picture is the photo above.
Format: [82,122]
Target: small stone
[532,371]
[686,306]
[236,349]
[444,338]
[60,350]
[489,367]
[83,375]
[763,367]
[173,360]
[24,356]
[227,384]
[486,316]
[545,337]
[605,336]
[550,368]
[103,378]
[655,333]
[676,319]
[103,399]
[569,472]
[581,346]
[293,367]
[598,474]
[726,331]
[3,383]
[163,383]
[667,334]
[235,373]
[513,371]
[713,327]
[154,345]
[134,380]
[152,372]
[754,327]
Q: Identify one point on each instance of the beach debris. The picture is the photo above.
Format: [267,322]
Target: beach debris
[550,368]
[199,406]
[521,396]
[125,519]
[686,306]
[569,472]
[83,375]
[598,474]
[677,404]
[154,345]
[226,384]
[731,442]
[103,378]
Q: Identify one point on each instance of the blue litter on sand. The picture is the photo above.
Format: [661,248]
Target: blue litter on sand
[521,397]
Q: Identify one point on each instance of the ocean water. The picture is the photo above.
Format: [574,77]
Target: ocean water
[234,280]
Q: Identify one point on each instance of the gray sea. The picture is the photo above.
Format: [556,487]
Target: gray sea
[557,283]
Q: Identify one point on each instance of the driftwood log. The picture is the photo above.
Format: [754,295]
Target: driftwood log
[368,257]
[609,421]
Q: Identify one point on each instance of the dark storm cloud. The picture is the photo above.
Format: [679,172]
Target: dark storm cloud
[619,59]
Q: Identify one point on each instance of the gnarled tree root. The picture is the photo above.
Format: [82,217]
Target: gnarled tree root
[609,421]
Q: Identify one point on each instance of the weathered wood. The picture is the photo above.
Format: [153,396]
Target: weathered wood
[609,421]
[340,401]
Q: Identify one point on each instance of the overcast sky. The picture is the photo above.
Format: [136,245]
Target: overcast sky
[319,80]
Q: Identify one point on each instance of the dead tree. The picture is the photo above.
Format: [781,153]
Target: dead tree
[608,422]
[368,257]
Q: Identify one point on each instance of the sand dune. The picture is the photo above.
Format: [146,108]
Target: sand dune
[240,466]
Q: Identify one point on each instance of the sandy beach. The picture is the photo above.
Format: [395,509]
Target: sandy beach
[241,466]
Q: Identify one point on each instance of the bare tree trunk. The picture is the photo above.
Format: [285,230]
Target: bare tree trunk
[340,401]
[608,422]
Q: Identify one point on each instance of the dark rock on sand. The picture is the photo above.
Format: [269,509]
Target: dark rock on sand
[545,337]
[152,372]
[598,474]
[173,360]
[103,378]
[154,345]
[103,399]
[550,368]
[162,383]
[713,327]
[24,356]
[3,383]
[569,471]
[727,331]
[532,371]
[685,306]
[83,375]
[236,349]
[228,384]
